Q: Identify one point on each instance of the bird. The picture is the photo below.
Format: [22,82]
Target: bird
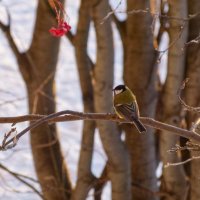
[126,107]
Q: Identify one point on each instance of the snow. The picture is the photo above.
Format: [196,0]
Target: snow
[13,101]
[162,66]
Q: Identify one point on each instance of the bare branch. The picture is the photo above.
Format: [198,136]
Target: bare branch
[68,115]
[23,59]
[18,174]
[157,15]
[183,162]
[112,12]
[20,178]
[187,107]
[121,26]
[190,146]
[194,41]
[100,183]
[6,30]
[162,52]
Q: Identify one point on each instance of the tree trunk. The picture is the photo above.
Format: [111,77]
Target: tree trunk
[85,177]
[192,89]
[174,179]
[38,70]
[118,158]
[140,76]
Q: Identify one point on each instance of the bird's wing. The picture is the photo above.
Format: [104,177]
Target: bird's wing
[128,111]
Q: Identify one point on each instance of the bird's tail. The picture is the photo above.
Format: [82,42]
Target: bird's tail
[140,127]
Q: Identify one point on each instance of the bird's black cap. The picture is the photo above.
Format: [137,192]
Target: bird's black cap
[120,87]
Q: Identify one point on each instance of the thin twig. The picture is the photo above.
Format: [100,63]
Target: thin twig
[17,174]
[194,41]
[190,146]
[20,178]
[111,12]
[147,11]
[162,52]
[160,16]
[183,162]
[187,107]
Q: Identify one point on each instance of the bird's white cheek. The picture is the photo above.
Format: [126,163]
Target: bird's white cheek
[118,91]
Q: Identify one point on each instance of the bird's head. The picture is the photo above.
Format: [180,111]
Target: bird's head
[119,89]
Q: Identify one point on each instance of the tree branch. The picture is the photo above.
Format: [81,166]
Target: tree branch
[147,11]
[187,107]
[24,60]
[6,30]
[100,182]
[68,115]
[20,177]
[183,162]
[112,12]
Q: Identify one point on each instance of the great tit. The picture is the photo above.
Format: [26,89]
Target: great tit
[126,106]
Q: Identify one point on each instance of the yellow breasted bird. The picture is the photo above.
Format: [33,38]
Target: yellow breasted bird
[126,106]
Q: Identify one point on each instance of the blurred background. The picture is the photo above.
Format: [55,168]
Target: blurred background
[149,45]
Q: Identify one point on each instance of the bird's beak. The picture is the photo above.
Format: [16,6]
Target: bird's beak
[113,90]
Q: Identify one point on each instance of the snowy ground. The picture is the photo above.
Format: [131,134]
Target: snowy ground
[13,100]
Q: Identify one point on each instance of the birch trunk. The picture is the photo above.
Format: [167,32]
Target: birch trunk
[192,89]
[140,76]
[38,67]
[118,158]
[85,176]
[174,179]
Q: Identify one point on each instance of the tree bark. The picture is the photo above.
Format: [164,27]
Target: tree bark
[174,179]
[38,69]
[192,89]
[140,76]
[85,176]
[118,158]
